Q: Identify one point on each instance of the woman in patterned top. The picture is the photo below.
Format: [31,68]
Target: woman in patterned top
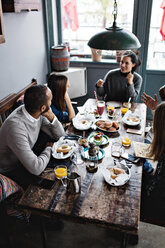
[61,103]
[153,190]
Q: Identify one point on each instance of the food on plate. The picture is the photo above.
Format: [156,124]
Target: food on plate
[84,122]
[108,124]
[115,172]
[83,142]
[98,136]
[111,126]
[64,148]
[133,119]
[116,124]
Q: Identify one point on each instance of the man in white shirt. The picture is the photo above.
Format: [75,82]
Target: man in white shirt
[20,132]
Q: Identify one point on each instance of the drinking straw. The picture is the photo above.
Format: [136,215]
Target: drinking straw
[95,96]
[129,99]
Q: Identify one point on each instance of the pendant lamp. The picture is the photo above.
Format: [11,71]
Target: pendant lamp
[114,38]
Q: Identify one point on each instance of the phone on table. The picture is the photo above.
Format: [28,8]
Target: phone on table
[130,157]
[43,182]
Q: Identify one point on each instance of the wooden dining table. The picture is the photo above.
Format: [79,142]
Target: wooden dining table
[98,202]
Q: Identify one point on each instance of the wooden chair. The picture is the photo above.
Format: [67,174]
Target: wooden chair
[7,103]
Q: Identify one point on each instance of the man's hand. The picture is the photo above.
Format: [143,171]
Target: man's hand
[130,78]
[49,144]
[49,115]
[149,101]
[100,83]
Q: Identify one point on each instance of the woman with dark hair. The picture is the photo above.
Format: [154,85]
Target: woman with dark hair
[61,103]
[153,189]
[121,84]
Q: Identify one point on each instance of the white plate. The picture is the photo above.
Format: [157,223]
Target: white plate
[60,155]
[114,104]
[127,119]
[82,123]
[121,179]
[105,129]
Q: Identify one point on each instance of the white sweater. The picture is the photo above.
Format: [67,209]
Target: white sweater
[18,135]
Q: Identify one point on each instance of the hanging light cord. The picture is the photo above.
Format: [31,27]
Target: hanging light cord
[115,12]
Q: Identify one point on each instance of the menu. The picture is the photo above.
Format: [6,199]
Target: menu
[142,149]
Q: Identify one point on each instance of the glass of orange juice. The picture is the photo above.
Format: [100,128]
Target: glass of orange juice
[124,110]
[126,142]
[61,174]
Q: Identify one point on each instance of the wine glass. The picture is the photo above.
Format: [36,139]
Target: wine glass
[100,107]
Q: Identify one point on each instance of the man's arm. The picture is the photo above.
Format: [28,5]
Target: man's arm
[149,101]
[18,142]
[51,125]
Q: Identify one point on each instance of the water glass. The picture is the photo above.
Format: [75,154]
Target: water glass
[116,149]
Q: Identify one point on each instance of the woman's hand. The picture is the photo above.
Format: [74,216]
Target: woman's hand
[130,78]
[100,83]
[71,112]
[66,97]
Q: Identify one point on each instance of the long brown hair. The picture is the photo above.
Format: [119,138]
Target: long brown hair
[57,84]
[158,143]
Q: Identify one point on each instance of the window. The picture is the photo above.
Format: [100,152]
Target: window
[156,47]
[83,18]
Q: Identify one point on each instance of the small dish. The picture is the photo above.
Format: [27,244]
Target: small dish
[104,141]
[99,156]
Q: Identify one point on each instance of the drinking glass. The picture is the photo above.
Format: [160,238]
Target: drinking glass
[116,149]
[100,107]
[76,156]
[117,115]
[61,174]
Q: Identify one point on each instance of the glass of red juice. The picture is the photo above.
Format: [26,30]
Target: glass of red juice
[100,107]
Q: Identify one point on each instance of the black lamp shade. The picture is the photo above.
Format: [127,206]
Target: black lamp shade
[114,38]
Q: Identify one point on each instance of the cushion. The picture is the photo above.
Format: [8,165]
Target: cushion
[7,187]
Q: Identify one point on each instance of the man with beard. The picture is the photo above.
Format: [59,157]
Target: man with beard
[20,132]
